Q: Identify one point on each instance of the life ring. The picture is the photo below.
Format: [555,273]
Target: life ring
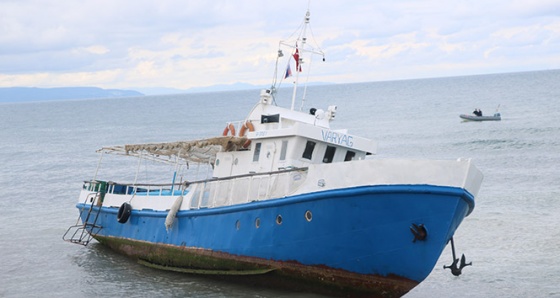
[246,126]
[229,128]
[124,213]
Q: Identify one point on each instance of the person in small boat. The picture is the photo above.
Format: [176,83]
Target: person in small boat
[477,112]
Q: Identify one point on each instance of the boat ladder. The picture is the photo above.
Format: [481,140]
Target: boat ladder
[83,233]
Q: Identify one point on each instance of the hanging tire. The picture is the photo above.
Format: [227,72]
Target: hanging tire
[124,213]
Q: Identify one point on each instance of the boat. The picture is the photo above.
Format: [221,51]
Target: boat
[477,116]
[282,199]
[467,117]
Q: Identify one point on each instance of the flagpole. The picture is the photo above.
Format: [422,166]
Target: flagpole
[298,48]
[298,59]
[295,88]
[298,69]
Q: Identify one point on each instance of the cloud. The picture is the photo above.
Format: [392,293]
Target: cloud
[183,44]
[95,49]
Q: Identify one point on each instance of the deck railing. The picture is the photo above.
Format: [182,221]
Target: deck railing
[213,192]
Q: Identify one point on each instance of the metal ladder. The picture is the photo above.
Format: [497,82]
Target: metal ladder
[83,233]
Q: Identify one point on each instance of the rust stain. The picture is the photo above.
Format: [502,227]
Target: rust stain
[291,275]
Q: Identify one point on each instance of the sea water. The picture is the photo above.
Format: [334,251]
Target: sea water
[47,149]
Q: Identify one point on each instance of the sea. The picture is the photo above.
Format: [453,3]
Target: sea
[512,238]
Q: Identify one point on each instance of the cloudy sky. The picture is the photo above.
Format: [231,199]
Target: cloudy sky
[185,44]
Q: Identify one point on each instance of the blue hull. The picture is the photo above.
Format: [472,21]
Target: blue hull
[362,231]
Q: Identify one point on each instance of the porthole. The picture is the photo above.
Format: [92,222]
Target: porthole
[279,219]
[257,222]
[308,215]
[237,225]
[217,162]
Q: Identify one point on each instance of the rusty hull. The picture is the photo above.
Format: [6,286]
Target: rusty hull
[285,274]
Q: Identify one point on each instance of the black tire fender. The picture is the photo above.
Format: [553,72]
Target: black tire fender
[124,213]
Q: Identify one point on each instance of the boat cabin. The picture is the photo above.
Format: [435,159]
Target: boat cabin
[280,138]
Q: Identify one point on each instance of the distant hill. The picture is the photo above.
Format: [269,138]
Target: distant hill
[224,87]
[213,88]
[28,94]
[25,94]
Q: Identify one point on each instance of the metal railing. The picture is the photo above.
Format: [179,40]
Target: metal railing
[214,192]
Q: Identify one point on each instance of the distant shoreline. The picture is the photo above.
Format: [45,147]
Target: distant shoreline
[32,94]
[35,94]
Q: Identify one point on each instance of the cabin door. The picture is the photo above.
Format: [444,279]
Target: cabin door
[268,157]
[227,164]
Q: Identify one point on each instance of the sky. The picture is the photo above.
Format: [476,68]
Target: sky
[127,44]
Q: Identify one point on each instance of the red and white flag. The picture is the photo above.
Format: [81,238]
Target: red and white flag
[296,57]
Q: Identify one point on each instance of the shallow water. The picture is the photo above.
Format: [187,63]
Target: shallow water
[48,149]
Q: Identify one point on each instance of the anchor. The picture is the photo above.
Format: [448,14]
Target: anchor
[454,269]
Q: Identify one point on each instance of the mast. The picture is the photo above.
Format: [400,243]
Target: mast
[299,59]
[298,49]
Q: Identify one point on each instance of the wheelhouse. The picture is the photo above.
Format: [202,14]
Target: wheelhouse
[282,139]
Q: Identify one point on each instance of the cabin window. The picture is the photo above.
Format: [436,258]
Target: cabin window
[270,118]
[349,155]
[257,152]
[329,154]
[283,150]
[308,152]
